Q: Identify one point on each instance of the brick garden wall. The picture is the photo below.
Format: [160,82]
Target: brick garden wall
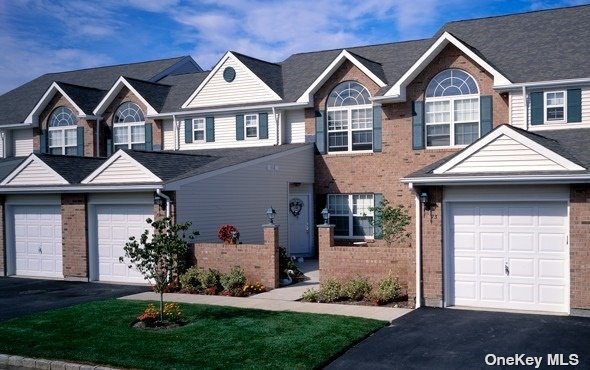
[580,247]
[74,236]
[260,262]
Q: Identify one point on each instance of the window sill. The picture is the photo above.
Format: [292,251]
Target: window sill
[349,154]
[558,126]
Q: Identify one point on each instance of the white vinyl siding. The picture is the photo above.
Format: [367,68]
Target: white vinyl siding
[22,142]
[586,105]
[120,171]
[169,135]
[517,115]
[505,155]
[225,134]
[241,196]
[245,88]
[295,126]
[34,174]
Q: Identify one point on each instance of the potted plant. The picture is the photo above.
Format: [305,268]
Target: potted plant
[229,234]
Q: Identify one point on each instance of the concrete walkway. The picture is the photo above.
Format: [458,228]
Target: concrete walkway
[283,299]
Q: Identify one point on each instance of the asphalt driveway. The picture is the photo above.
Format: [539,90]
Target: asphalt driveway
[20,297]
[430,338]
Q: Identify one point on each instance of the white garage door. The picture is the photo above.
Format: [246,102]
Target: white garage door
[509,256]
[115,225]
[37,241]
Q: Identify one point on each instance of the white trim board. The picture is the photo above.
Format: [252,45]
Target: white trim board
[110,96]
[34,160]
[121,155]
[398,90]
[505,130]
[215,69]
[336,63]
[46,98]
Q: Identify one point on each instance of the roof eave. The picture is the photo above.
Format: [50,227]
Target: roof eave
[508,178]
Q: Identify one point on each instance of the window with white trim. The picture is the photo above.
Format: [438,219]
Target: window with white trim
[350,118]
[452,109]
[555,106]
[62,132]
[129,127]
[352,215]
[251,126]
[199,135]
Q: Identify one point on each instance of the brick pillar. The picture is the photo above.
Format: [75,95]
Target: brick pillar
[2,240]
[579,248]
[271,243]
[74,236]
[432,248]
[89,137]
[325,242]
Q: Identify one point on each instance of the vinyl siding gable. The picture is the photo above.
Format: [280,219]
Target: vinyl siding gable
[123,170]
[36,173]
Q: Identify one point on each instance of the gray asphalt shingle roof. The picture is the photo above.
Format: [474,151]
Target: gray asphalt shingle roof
[87,98]
[154,93]
[72,168]
[269,73]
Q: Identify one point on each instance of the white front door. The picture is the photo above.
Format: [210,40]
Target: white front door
[37,240]
[510,255]
[300,232]
[115,225]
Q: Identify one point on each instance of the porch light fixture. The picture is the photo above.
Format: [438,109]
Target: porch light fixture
[326,216]
[424,197]
[427,204]
[157,200]
[270,213]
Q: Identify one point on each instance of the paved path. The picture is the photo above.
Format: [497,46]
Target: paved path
[284,299]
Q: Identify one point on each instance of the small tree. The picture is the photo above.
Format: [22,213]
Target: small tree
[160,253]
[392,221]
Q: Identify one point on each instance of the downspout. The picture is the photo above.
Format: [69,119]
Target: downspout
[526,108]
[3,138]
[98,136]
[168,201]
[418,216]
[278,127]
[176,133]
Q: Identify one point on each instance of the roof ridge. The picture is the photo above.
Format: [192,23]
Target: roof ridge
[515,14]
[359,46]
[147,82]
[75,85]
[254,58]
[367,59]
[115,65]
[527,132]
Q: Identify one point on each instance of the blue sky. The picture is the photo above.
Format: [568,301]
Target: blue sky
[41,36]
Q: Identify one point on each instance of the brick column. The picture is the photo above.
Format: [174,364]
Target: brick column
[579,248]
[271,243]
[74,237]
[325,243]
[432,248]
[2,240]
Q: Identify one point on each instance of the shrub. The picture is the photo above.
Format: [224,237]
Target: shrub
[150,315]
[357,289]
[233,282]
[311,295]
[191,279]
[388,290]
[209,279]
[254,288]
[391,222]
[286,263]
[172,312]
[228,233]
[330,291]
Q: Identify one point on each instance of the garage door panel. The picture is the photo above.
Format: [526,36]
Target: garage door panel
[531,238]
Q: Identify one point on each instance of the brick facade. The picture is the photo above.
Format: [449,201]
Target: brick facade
[259,262]
[74,236]
[2,238]
[381,172]
[580,247]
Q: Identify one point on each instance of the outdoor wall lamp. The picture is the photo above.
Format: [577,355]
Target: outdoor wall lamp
[270,213]
[326,216]
[157,200]
[427,204]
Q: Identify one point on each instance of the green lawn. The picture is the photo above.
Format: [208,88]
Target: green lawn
[216,337]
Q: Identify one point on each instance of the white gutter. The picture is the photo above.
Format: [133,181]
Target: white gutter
[418,216]
[575,81]
[77,189]
[526,108]
[168,201]
[18,125]
[504,179]
[278,127]
[229,109]
[387,99]
[176,128]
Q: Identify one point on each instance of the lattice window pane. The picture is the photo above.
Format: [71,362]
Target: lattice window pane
[128,112]
[121,135]
[349,93]
[438,135]
[451,82]
[138,134]
[467,110]
[362,226]
[61,116]
[338,141]
[438,112]
[362,118]
[71,137]
[466,133]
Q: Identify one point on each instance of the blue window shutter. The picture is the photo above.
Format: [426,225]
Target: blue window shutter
[80,141]
[43,137]
[574,105]
[377,130]
[263,125]
[485,114]
[109,147]
[537,107]
[320,131]
[378,198]
[210,129]
[240,127]
[148,137]
[418,125]
[188,130]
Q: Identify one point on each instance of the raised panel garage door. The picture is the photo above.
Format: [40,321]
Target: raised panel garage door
[509,256]
[37,241]
[115,225]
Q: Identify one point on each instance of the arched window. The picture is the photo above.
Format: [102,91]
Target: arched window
[62,132]
[350,118]
[129,127]
[452,109]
